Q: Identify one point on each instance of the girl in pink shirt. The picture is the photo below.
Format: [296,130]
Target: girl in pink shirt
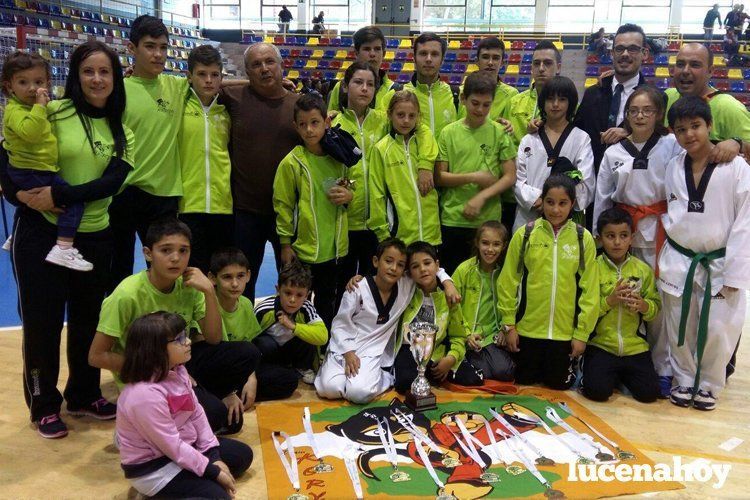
[166,444]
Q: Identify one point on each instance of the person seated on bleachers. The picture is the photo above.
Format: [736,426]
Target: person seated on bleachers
[731,45]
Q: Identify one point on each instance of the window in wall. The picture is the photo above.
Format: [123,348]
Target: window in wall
[571,16]
[694,11]
[335,13]
[224,15]
[444,15]
[512,14]
[651,15]
[269,12]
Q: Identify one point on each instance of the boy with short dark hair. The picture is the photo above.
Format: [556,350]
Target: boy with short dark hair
[310,196]
[203,143]
[291,330]
[617,351]
[155,103]
[170,285]
[475,164]
[369,47]
[230,274]
[490,59]
[708,209]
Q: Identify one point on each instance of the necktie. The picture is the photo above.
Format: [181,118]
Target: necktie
[614,107]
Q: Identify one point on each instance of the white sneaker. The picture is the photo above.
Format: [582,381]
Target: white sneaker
[68,257]
[308,376]
[704,400]
[8,244]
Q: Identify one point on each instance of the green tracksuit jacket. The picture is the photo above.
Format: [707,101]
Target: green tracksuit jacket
[436,106]
[468,280]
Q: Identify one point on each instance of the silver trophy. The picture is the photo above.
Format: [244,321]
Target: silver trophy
[421,336]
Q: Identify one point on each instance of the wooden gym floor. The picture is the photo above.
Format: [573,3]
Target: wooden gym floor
[86,465]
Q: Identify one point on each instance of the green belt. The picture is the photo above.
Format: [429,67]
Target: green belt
[703,259]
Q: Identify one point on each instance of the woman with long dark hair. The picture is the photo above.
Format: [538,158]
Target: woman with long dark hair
[94,157]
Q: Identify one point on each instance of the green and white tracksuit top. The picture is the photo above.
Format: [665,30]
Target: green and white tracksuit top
[203,142]
[382,97]
[309,326]
[555,296]
[478,291]
[619,330]
[450,323]
[394,167]
[305,218]
[436,105]
[373,128]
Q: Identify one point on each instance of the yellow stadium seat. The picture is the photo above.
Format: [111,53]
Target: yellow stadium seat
[389,56]
[311,64]
[340,75]
[672,60]
[454,44]
[507,45]
[662,72]
[719,61]
[408,68]
[293,74]
[313,41]
[471,69]
[513,69]
[317,54]
[268,39]
[78,28]
[559,45]
[405,43]
[56,25]
[590,81]
[735,74]
[21,4]
[340,54]
[346,64]
[65,11]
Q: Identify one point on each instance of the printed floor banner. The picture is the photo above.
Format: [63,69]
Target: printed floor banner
[537,443]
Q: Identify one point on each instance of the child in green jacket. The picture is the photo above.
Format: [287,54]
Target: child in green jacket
[476,280]
[429,304]
[549,290]
[617,351]
[310,197]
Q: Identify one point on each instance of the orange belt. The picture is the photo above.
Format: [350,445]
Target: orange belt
[638,212]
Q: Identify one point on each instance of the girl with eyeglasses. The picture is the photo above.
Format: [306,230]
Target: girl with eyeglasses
[166,444]
[631,176]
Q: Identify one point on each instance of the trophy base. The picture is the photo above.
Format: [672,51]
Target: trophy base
[422,403]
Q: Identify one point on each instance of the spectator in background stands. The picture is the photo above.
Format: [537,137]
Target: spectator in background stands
[598,42]
[262,114]
[733,18]
[285,17]
[731,45]
[601,112]
[369,46]
[712,16]
[318,23]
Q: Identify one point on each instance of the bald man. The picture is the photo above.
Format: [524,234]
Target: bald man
[691,75]
[262,113]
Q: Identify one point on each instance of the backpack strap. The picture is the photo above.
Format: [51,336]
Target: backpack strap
[456,90]
[526,234]
[581,259]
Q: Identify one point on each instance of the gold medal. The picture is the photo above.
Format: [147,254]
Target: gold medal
[625,455]
[490,477]
[450,462]
[604,457]
[584,461]
[444,495]
[297,496]
[514,470]
[398,476]
[322,468]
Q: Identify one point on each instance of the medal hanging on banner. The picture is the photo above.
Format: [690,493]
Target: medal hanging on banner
[389,445]
[321,467]
[289,463]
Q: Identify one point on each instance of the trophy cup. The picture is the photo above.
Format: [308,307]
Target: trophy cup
[422,340]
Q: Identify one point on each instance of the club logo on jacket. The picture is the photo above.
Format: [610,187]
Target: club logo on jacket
[102,150]
[617,165]
[527,151]
[164,106]
[696,206]
[672,197]
[570,251]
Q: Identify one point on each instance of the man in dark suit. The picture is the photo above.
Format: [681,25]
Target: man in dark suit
[601,112]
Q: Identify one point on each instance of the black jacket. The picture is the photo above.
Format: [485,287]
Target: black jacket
[593,114]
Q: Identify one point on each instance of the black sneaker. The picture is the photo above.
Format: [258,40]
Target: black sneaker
[681,396]
[100,409]
[704,400]
[52,427]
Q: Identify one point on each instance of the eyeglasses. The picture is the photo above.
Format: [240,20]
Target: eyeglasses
[632,49]
[646,112]
[181,338]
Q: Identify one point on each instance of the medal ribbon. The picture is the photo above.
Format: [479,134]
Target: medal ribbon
[290,466]
[552,415]
[490,435]
[469,447]
[386,438]
[351,468]
[565,407]
[427,464]
[509,427]
[307,423]
[406,422]
[529,464]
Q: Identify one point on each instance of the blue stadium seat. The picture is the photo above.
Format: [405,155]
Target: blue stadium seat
[299,63]
[449,57]
[396,67]
[392,43]
[510,80]
[662,83]
[305,74]
[329,75]
[284,53]
[401,56]
[501,71]
[329,54]
[455,80]
[323,64]
[746,74]
[301,41]
[738,87]
[306,53]
[661,60]
[527,58]
[606,59]
[592,71]
[530,45]
[403,78]
[459,68]
[523,81]
[525,69]
[648,70]
[335,42]
[446,68]
[347,42]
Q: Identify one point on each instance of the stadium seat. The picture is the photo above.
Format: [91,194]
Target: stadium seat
[723,86]
[662,72]
[389,56]
[408,67]
[335,64]
[405,43]
[606,59]
[325,41]
[278,40]
[446,68]
[385,66]
[346,64]
[592,71]
[590,81]
[466,45]
[737,87]
[559,45]
[674,46]
[445,79]
[719,60]
[340,54]
[720,73]
[284,53]
[396,67]
[507,45]
[454,45]
[530,45]
[525,69]
[455,80]
[502,69]
[401,56]
[410,56]
[403,78]
[392,43]
[299,63]
[351,55]
[662,83]
[340,75]
[335,42]
[296,53]
[472,68]
[293,74]
[746,74]
[744,99]
[329,75]
[306,53]
[517,45]
[514,58]
[329,54]
[510,80]
[313,42]
[648,71]
[318,75]
[311,64]
[450,57]
[734,74]
[672,60]
[317,54]
[301,41]
[527,58]
[464,57]
[459,68]
[305,74]
[347,42]
[592,59]
[513,69]
[287,63]
[661,59]
[523,81]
